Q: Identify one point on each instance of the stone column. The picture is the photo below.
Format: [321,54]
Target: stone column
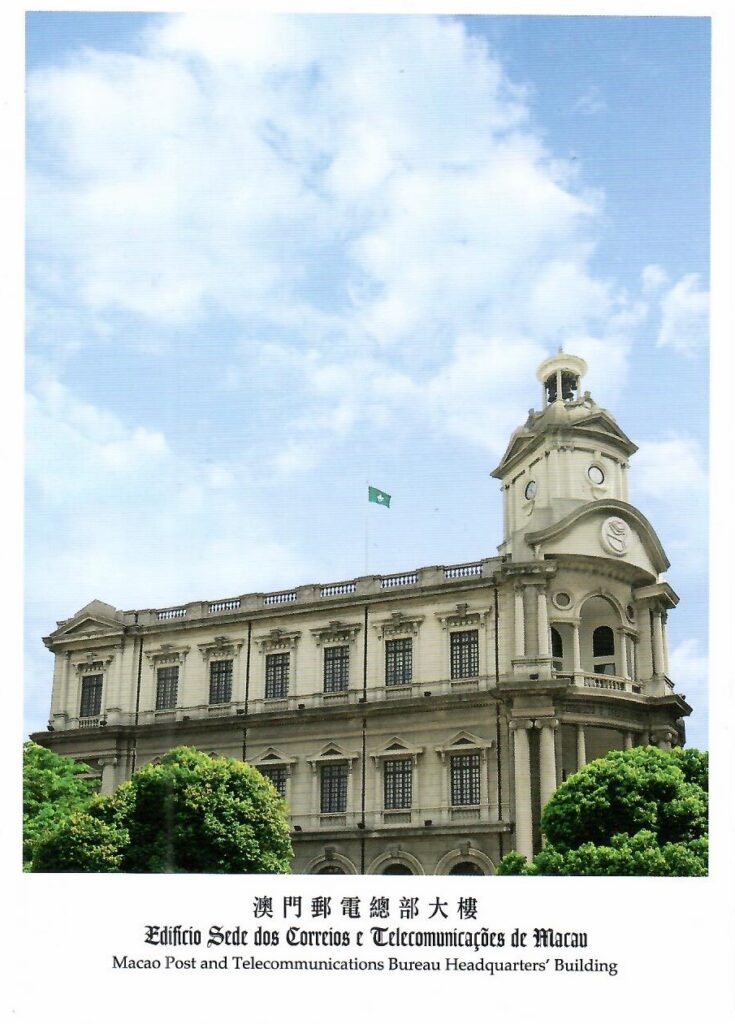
[658,645]
[522,764]
[547,759]
[628,740]
[520,628]
[581,748]
[623,655]
[577,655]
[543,624]
[108,774]
[665,643]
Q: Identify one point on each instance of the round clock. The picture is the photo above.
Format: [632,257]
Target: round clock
[530,490]
[596,475]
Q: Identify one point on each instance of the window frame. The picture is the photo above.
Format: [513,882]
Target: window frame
[333,798]
[469,787]
[281,770]
[399,661]
[277,675]
[464,654]
[96,680]
[162,686]
[336,668]
[225,682]
[398,783]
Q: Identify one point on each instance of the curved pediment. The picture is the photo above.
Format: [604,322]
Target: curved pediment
[607,528]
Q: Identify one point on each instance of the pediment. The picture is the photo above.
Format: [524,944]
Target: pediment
[607,528]
[90,626]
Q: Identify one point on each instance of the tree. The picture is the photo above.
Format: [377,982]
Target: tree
[189,813]
[54,788]
[634,812]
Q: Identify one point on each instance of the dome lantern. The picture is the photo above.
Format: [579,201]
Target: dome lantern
[561,377]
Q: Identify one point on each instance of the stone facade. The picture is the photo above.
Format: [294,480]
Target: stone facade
[418,722]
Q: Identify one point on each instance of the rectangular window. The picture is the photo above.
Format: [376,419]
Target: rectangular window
[465,654]
[91,697]
[167,686]
[276,675]
[397,784]
[220,682]
[398,662]
[336,668]
[465,779]
[334,789]
[277,774]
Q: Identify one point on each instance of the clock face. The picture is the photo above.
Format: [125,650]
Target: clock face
[596,475]
[530,491]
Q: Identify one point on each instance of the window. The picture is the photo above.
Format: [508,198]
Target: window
[220,682]
[557,649]
[465,654]
[603,650]
[91,696]
[466,867]
[336,668]
[397,784]
[465,779]
[276,675]
[167,685]
[398,662]
[277,774]
[334,789]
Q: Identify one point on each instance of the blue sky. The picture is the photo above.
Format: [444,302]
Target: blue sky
[271,259]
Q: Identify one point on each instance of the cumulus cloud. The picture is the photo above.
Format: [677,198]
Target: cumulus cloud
[685,317]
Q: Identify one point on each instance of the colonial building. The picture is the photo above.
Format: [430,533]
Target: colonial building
[415,722]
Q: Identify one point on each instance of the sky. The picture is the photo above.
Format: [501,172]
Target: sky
[271,259]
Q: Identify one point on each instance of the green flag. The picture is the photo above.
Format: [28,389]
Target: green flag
[379,497]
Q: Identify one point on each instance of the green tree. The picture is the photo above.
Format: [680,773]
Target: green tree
[189,813]
[53,789]
[635,812]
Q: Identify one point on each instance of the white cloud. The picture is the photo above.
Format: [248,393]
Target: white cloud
[675,466]
[689,669]
[685,317]
[653,278]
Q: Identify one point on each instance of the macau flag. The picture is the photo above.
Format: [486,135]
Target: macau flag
[379,497]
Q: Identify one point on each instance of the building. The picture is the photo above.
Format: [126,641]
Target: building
[415,722]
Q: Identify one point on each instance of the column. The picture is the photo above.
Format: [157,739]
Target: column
[547,759]
[520,631]
[108,774]
[581,748]
[623,653]
[522,764]
[577,654]
[628,740]
[658,645]
[543,624]
[665,642]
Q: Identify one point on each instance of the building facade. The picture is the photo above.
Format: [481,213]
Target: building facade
[415,722]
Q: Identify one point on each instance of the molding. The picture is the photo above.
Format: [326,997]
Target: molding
[462,616]
[167,654]
[464,742]
[277,640]
[399,749]
[222,647]
[398,625]
[336,632]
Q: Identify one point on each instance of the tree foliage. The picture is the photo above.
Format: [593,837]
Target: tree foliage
[188,813]
[635,812]
[53,789]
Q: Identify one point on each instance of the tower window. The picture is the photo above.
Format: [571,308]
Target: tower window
[91,701]
[603,650]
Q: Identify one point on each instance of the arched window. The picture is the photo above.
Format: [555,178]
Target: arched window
[466,867]
[557,649]
[330,869]
[603,650]
[396,869]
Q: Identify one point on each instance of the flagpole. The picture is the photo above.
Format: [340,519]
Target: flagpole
[367,513]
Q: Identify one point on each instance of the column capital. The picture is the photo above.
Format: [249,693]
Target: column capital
[521,723]
[546,723]
[108,759]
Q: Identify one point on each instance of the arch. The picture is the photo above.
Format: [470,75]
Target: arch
[394,858]
[466,854]
[396,868]
[325,860]
[557,646]
[466,867]
[600,619]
